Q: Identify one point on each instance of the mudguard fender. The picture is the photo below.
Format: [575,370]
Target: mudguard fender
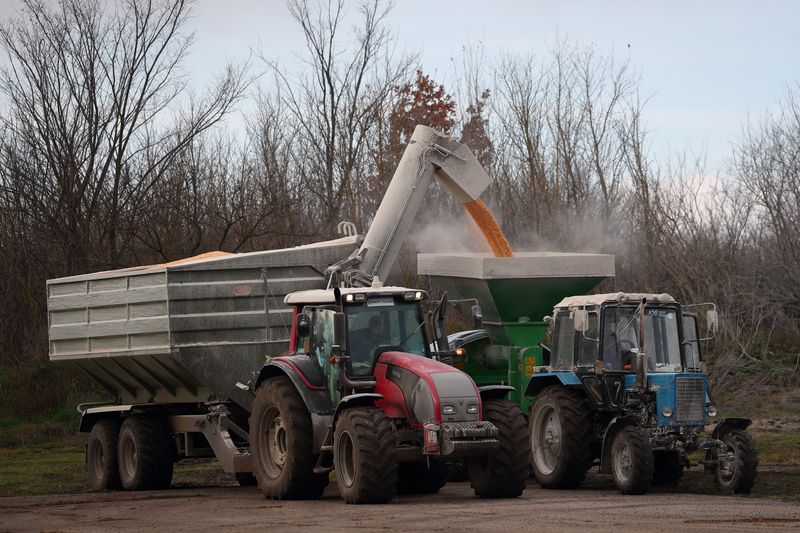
[727,425]
[541,380]
[314,397]
[613,428]
[353,400]
[495,392]
[92,413]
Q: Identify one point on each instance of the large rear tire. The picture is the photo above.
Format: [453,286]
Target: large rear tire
[365,456]
[146,453]
[737,475]
[281,443]
[561,436]
[101,455]
[503,473]
[667,468]
[631,461]
[421,478]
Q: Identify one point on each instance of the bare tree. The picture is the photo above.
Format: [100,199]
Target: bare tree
[90,91]
[96,112]
[563,129]
[334,103]
[768,166]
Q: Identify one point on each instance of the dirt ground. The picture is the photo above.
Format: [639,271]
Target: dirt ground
[454,508]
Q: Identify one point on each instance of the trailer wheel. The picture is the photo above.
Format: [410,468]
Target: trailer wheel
[561,436]
[667,468]
[364,456]
[503,473]
[281,443]
[737,474]
[631,461]
[421,478]
[101,455]
[146,453]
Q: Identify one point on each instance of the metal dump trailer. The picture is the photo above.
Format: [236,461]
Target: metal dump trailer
[177,338]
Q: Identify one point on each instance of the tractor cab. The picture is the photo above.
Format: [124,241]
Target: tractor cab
[625,347]
[606,333]
[377,320]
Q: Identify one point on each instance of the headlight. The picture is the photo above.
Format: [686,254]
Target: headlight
[711,410]
[472,409]
[667,411]
[448,410]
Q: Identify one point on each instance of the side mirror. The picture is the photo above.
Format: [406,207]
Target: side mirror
[712,321]
[340,332]
[303,325]
[477,317]
[581,319]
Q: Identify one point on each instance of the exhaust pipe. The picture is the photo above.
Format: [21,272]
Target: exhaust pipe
[641,356]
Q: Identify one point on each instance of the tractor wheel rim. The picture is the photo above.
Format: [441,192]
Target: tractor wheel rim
[346,471]
[727,466]
[128,452]
[623,464]
[98,459]
[547,440]
[274,443]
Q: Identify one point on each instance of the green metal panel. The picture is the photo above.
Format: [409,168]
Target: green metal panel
[515,294]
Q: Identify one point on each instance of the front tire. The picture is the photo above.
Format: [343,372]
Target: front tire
[101,455]
[146,453]
[365,456]
[503,473]
[281,443]
[561,435]
[631,461]
[737,475]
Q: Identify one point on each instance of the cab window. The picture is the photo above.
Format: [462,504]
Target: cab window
[692,343]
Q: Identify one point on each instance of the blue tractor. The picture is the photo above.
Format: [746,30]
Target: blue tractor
[626,388]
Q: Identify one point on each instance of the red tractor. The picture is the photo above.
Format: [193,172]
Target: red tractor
[361,392]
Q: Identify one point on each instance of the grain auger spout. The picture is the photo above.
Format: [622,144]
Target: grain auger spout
[429,154]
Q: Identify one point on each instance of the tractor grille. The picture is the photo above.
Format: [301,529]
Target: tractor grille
[691,399]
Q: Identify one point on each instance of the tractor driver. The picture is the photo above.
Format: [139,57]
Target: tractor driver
[370,338]
[621,343]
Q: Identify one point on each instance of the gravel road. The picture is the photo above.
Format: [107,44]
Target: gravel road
[454,508]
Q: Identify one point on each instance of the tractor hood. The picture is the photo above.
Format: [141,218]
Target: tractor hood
[425,390]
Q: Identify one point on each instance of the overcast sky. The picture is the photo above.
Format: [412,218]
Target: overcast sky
[703,65]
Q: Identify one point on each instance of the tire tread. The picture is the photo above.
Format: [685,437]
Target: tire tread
[747,464]
[576,436]
[299,482]
[106,431]
[375,456]
[505,475]
[155,452]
